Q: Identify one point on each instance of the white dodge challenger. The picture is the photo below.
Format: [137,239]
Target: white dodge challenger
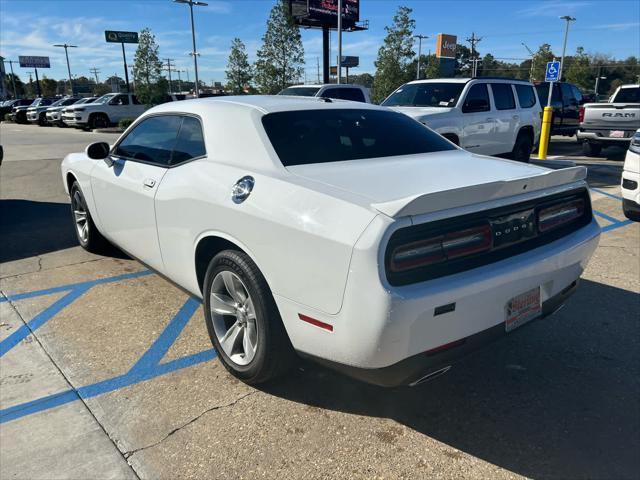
[345,232]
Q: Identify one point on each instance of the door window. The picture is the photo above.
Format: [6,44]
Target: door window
[526,97]
[503,96]
[190,142]
[151,141]
[477,99]
[567,94]
[120,100]
[577,94]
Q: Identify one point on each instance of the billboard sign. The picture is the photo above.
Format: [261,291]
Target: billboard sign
[446,45]
[120,37]
[349,62]
[325,12]
[34,62]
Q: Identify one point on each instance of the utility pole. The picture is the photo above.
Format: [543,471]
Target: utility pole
[339,80]
[474,41]
[598,81]
[95,72]
[169,60]
[13,77]
[568,19]
[194,53]
[419,37]
[66,53]
[179,80]
[533,59]
[318,65]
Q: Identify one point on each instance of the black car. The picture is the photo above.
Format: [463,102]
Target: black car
[566,99]
[9,104]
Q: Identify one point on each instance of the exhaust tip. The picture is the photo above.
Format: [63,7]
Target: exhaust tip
[431,376]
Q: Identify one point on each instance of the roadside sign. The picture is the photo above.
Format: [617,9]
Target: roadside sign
[349,62]
[34,62]
[552,72]
[121,37]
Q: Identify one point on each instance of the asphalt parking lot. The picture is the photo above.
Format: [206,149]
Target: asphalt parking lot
[106,370]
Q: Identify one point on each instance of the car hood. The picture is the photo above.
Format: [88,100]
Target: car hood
[418,112]
[423,183]
[54,109]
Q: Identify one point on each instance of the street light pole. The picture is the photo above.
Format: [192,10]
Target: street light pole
[13,77]
[564,45]
[66,53]
[191,3]
[339,80]
[419,37]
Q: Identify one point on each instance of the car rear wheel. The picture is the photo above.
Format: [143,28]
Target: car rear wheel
[522,148]
[591,149]
[631,210]
[88,235]
[42,120]
[243,320]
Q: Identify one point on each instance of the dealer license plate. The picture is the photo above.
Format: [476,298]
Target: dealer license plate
[522,309]
[616,134]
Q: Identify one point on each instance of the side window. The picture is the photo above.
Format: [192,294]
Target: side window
[567,94]
[353,94]
[477,99]
[190,143]
[135,100]
[503,96]
[577,94]
[120,100]
[526,97]
[331,93]
[151,141]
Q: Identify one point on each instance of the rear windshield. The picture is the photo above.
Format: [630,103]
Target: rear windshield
[425,95]
[300,91]
[335,135]
[630,95]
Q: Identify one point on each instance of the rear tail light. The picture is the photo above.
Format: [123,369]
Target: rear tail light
[559,215]
[441,248]
[581,115]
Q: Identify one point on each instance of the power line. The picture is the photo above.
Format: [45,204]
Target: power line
[474,41]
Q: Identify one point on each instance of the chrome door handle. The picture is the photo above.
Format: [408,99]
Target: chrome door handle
[516,117]
[149,182]
[490,119]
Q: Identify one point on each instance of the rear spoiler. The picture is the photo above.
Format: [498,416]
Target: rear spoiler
[459,197]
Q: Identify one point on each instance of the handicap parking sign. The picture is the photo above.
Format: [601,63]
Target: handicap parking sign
[553,70]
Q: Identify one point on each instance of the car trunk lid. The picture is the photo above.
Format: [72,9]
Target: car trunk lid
[424,183]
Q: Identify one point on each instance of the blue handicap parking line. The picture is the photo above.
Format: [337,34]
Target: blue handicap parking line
[607,194]
[149,366]
[614,223]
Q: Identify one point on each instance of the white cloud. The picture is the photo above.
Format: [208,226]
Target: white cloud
[552,8]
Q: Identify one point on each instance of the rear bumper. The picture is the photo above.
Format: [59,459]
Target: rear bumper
[600,137]
[422,366]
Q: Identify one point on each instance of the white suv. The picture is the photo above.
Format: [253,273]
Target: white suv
[489,116]
[106,110]
[355,93]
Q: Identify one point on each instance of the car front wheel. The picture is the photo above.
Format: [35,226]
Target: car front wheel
[522,148]
[88,235]
[243,320]
[591,149]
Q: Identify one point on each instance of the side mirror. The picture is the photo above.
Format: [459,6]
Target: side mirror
[98,151]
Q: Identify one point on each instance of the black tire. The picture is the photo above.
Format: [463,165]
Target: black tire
[631,211]
[93,241]
[99,120]
[522,148]
[42,120]
[274,354]
[591,149]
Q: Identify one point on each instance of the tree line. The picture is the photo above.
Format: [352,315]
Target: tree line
[280,63]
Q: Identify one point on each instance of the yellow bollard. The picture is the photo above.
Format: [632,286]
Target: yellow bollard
[545,133]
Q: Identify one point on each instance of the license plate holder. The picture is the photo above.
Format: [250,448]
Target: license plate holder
[522,309]
[616,134]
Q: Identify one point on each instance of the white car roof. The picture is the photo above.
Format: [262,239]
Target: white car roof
[320,85]
[261,103]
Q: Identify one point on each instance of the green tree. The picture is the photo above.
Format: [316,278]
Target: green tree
[394,55]
[540,60]
[148,67]
[463,66]
[239,71]
[281,58]
[18,83]
[429,67]
[48,87]
[578,70]
[364,79]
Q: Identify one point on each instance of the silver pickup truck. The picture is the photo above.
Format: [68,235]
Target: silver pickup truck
[613,123]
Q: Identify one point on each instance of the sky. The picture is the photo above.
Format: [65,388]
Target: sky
[31,27]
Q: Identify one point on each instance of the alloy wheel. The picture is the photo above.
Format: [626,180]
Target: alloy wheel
[80,217]
[234,317]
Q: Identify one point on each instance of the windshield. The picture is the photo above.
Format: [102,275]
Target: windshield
[425,95]
[105,98]
[628,95]
[300,91]
[333,135]
[59,102]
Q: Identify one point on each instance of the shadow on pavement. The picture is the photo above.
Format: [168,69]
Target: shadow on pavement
[557,399]
[29,228]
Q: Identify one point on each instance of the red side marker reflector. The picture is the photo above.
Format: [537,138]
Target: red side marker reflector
[446,346]
[315,322]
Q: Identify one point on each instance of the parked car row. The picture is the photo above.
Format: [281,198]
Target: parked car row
[91,112]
